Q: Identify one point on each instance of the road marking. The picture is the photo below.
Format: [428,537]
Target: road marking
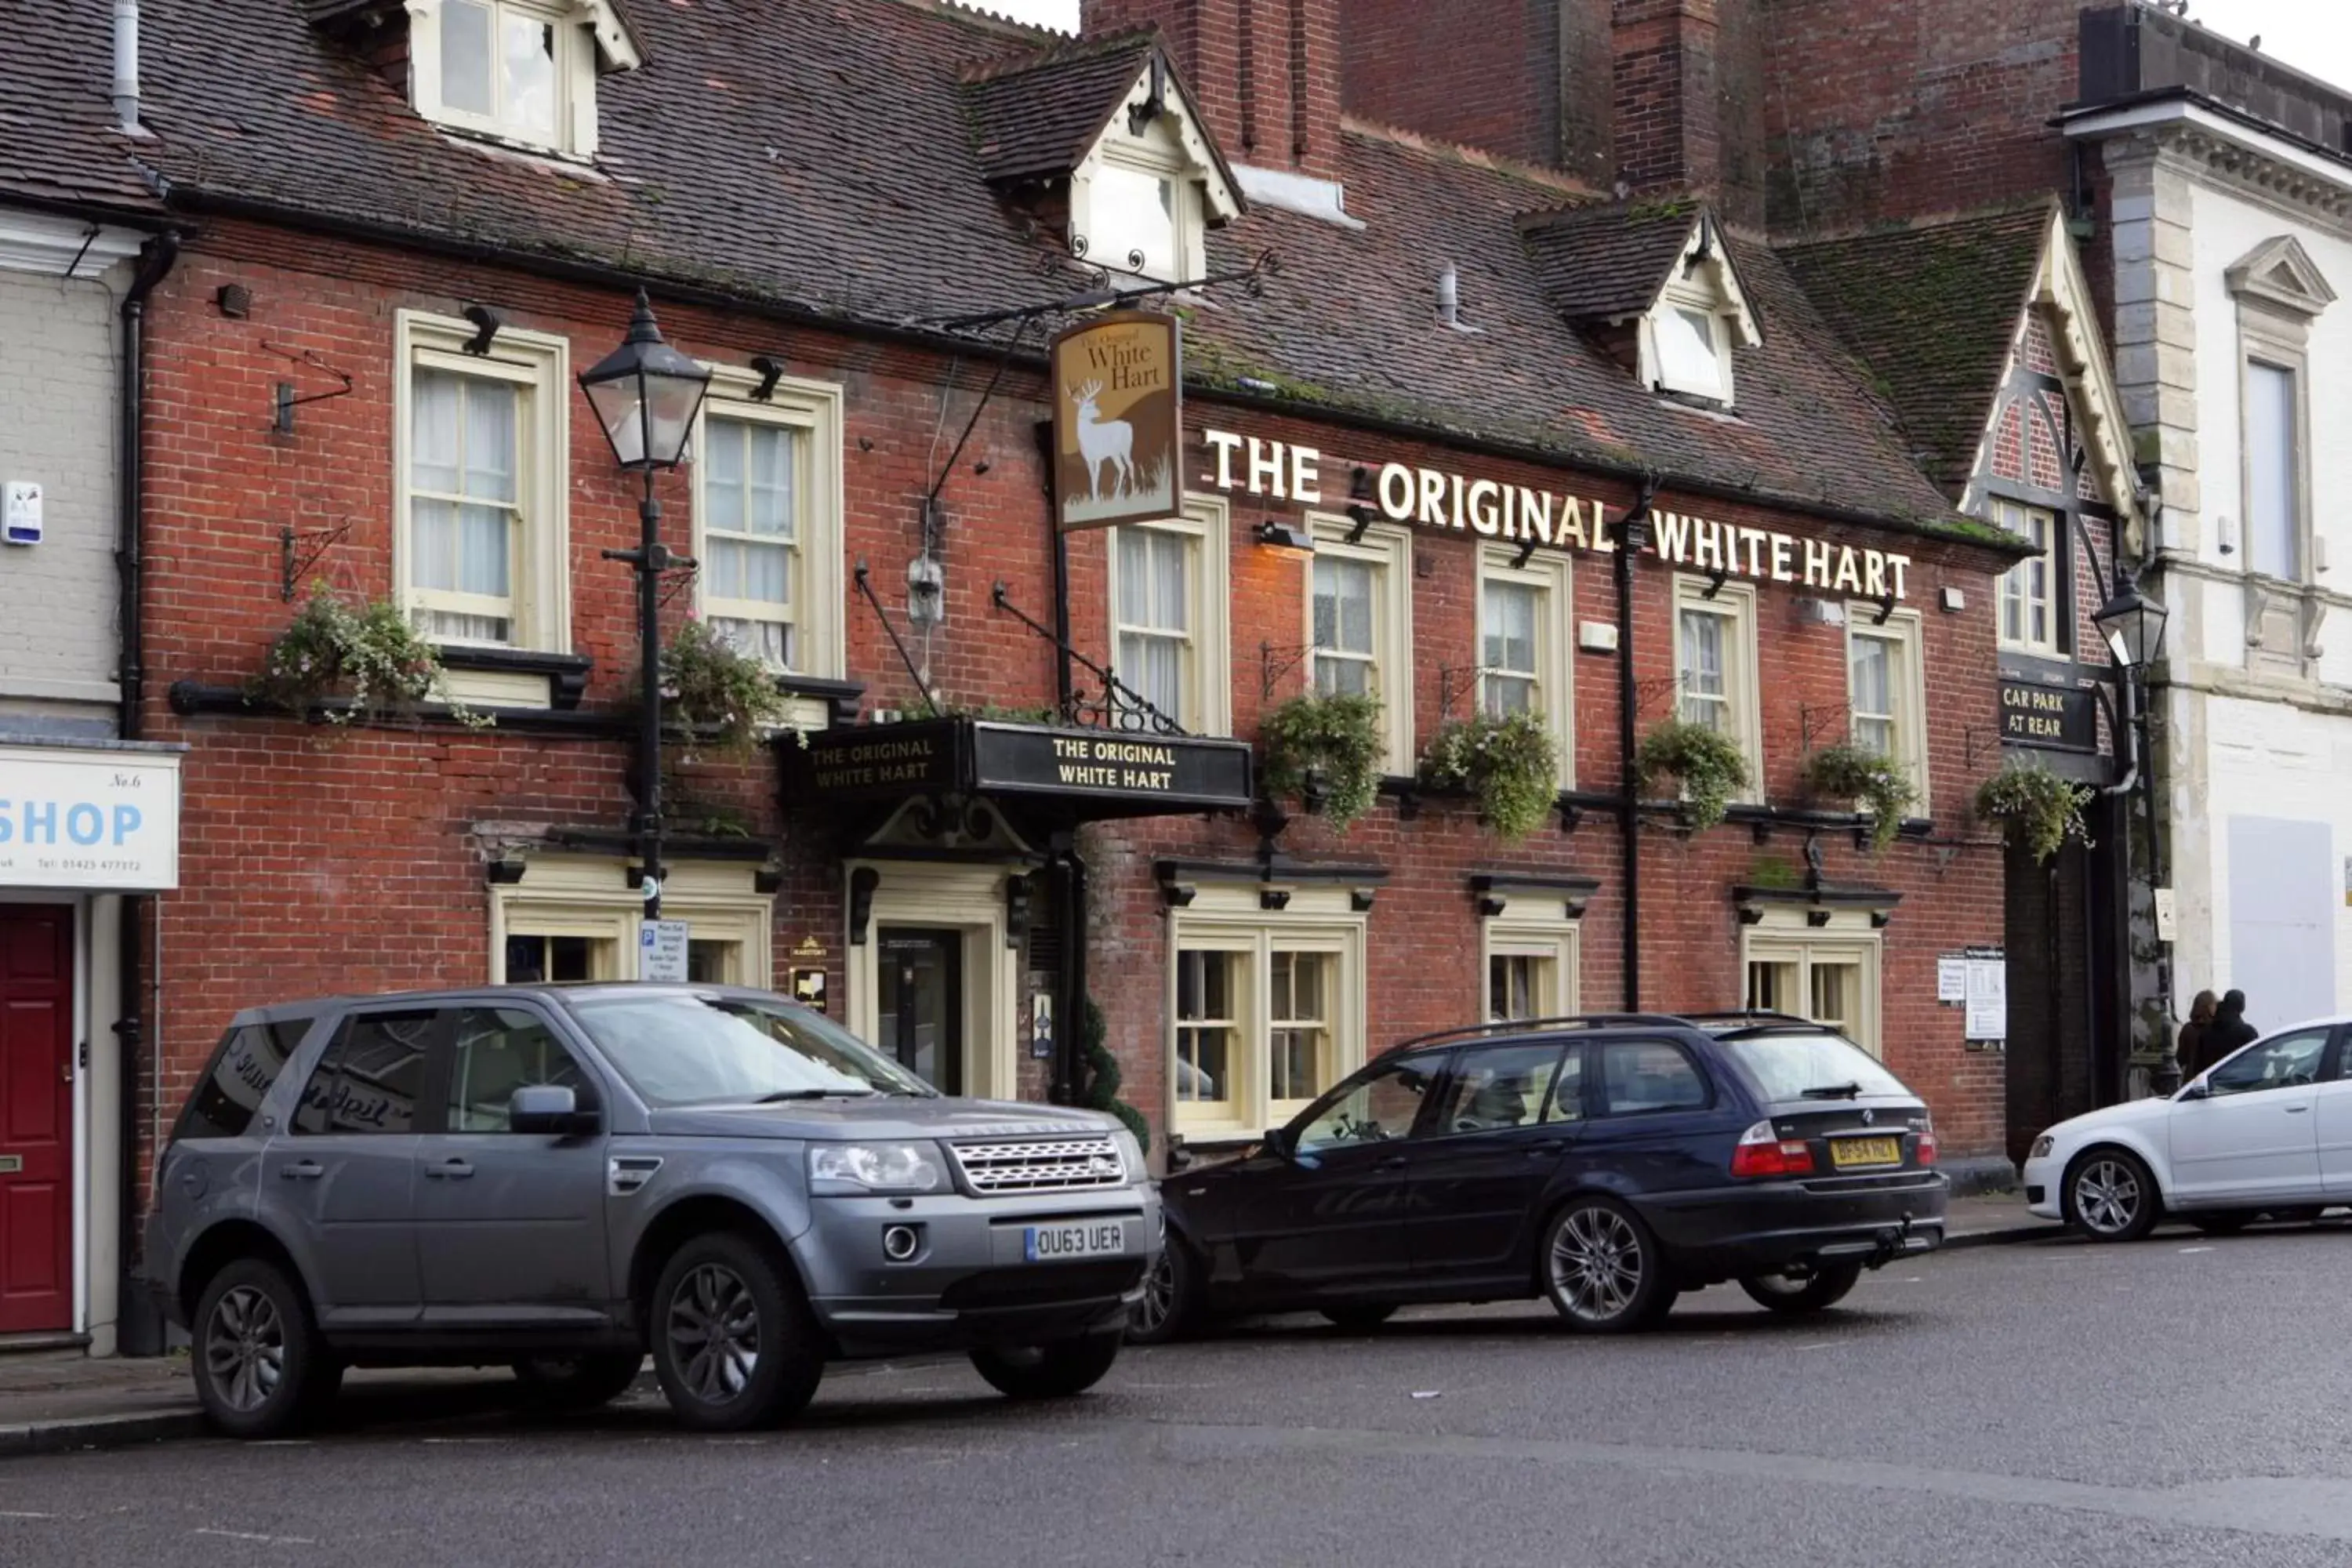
[265,1539]
[2186,1250]
[18,1513]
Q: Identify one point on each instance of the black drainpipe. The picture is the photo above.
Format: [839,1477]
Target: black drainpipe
[1631,534]
[138,1326]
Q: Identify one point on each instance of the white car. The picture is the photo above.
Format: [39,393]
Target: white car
[2267,1131]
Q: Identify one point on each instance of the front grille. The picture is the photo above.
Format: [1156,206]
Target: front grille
[1060,1166]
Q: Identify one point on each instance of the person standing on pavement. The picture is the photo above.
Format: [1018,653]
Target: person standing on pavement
[2192,1048]
[2229,1029]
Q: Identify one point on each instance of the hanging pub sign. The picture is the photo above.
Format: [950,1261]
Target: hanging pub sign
[1119,420]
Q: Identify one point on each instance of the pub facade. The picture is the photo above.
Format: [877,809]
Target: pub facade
[1475,448]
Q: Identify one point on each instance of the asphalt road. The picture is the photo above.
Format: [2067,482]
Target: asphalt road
[2179,1403]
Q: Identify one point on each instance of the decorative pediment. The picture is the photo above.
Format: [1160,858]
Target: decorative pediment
[2280,275]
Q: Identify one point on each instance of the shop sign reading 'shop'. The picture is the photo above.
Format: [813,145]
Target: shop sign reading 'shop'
[1493,509]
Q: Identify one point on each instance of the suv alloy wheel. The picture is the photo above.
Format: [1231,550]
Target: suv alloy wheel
[261,1368]
[732,1339]
[578,1381]
[1601,1270]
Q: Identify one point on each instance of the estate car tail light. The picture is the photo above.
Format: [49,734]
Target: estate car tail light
[1927,1144]
[1761,1152]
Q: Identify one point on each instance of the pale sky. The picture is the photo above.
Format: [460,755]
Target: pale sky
[2315,37]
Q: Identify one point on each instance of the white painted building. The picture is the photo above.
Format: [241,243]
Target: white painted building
[86,819]
[2230,229]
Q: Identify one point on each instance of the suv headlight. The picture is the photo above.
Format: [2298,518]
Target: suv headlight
[854,1168]
[1131,1152]
[2041,1147]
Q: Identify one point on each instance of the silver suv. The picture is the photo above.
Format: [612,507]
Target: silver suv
[563,1178]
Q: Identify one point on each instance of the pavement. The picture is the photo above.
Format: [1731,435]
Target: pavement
[2175,1403]
[60,1401]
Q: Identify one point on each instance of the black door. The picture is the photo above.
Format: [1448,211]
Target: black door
[1327,1217]
[1504,1118]
[920,1014]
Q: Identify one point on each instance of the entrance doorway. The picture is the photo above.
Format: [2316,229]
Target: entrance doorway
[920,1002]
[37,1153]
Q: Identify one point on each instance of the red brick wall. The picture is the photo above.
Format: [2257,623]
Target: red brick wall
[322,860]
[1905,107]
[1266,73]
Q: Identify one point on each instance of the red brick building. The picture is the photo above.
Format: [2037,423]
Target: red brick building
[1465,381]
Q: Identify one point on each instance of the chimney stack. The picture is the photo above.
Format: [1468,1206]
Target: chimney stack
[1266,73]
[1683,93]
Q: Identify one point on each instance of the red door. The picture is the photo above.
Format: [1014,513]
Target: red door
[36,1117]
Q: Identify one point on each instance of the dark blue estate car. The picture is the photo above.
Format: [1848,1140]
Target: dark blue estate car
[1607,1162]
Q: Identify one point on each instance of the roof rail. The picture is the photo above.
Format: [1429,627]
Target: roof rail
[1533,1025]
[1748,1016]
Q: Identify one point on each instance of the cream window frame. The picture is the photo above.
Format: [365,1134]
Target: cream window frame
[587,32]
[1781,936]
[589,897]
[2273,349]
[1560,944]
[1207,522]
[1158,153]
[539,365]
[815,411]
[1229,919]
[1553,577]
[1906,630]
[1735,602]
[2015,583]
[1388,549]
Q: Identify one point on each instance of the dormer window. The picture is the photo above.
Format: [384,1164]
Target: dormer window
[519,71]
[1689,334]
[1140,218]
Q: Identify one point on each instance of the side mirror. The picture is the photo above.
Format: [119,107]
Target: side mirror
[2197,1090]
[548,1108]
[1278,1142]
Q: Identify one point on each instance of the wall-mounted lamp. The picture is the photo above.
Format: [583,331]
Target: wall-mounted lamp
[504,871]
[1177,895]
[772,371]
[1715,582]
[487,323]
[1274,898]
[1284,538]
[1885,610]
[1361,497]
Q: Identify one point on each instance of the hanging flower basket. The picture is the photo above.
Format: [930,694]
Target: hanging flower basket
[1510,766]
[1325,749]
[723,698]
[2036,807]
[354,663]
[1708,767]
[1870,781]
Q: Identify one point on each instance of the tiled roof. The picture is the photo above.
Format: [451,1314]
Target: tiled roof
[848,182]
[1034,116]
[57,108]
[1932,308]
[1609,261]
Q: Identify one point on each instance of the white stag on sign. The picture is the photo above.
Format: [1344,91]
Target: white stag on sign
[1103,441]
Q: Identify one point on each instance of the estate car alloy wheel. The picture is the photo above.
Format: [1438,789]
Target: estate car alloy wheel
[1601,1269]
[2111,1196]
[1796,1294]
[259,1364]
[733,1344]
[1166,1311]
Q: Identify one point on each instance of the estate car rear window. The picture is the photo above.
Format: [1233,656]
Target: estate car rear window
[1819,1067]
[1640,1078]
[677,1048]
[245,1068]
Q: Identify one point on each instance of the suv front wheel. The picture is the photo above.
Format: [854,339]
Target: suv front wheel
[261,1370]
[733,1342]
[1053,1370]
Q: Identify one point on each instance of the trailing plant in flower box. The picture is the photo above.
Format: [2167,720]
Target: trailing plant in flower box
[1708,767]
[1325,747]
[1510,766]
[1870,780]
[361,662]
[719,694]
[2036,807]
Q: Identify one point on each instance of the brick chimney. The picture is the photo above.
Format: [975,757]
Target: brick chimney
[1266,72]
[1667,94]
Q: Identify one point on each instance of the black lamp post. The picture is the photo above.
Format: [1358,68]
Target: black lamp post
[2133,625]
[645,395]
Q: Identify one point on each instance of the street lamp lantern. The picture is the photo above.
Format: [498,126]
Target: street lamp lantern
[645,395]
[2134,626]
